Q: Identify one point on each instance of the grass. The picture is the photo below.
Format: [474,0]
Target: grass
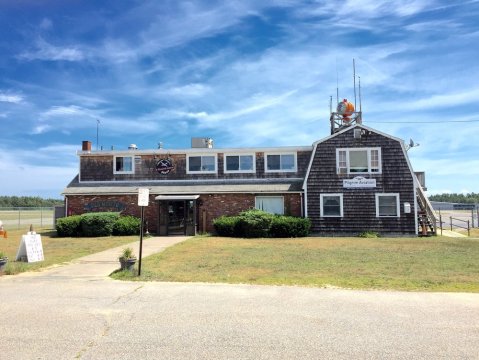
[423,264]
[56,250]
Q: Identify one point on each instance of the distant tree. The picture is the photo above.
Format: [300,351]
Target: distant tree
[472,198]
[28,201]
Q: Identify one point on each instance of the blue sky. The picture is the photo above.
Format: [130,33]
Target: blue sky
[246,73]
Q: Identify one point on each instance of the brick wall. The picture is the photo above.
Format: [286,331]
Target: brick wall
[210,206]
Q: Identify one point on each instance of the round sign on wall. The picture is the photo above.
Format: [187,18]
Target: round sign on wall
[164,166]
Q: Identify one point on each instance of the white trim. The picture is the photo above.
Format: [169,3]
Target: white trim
[295,156]
[253,155]
[341,209]
[398,204]
[415,212]
[160,152]
[348,166]
[199,181]
[266,196]
[124,172]
[305,188]
[215,171]
[306,176]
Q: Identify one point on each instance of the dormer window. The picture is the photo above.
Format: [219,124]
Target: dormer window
[280,162]
[201,164]
[241,163]
[123,165]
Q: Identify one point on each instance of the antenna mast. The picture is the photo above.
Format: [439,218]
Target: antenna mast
[354,82]
[337,82]
[330,104]
[360,107]
[97,126]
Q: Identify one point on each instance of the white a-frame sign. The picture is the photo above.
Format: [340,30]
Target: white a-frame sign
[31,248]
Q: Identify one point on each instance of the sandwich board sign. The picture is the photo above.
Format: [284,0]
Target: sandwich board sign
[30,248]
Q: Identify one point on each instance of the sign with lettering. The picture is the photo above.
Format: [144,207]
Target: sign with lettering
[30,248]
[359,182]
[164,166]
[105,205]
[143,196]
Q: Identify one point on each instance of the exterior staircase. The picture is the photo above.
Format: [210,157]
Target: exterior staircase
[427,219]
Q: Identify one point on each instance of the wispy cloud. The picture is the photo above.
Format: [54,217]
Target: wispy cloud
[48,52]
[10,98]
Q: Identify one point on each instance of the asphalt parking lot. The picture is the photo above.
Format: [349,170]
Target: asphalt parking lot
[59,316]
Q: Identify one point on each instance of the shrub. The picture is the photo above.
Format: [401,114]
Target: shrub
[98,224]
[126,225]
[253,224]
[69,226]
[289,226]
[225,225]
[257,223]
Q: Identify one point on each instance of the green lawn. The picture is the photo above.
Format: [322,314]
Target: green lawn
[56,250]
[425,264]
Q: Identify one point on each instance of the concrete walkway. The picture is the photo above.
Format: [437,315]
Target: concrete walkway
[102,264]
[449,233]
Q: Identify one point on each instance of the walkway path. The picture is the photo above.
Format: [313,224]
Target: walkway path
[102,264]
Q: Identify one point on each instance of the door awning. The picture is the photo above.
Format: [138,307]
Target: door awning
[177,197]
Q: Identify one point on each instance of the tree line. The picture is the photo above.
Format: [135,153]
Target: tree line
[28,201]
[471,198]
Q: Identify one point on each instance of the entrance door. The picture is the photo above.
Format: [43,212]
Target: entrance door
[176,218]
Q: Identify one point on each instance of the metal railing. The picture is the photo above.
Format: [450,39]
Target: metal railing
[461,226]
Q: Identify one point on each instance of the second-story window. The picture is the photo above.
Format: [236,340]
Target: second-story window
[239,163]
[202,164]
[123,165]
[358,160]
[280,162]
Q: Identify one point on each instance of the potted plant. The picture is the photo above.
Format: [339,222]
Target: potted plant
[3,261]
[127,259]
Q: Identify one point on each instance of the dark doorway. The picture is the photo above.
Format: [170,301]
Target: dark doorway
[177,217]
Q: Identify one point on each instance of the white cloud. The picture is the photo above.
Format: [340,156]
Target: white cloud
[45,51]
[10,98]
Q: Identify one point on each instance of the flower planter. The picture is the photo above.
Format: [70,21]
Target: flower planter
[127,264]
[3,263]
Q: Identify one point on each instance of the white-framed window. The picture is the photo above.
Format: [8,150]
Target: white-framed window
[271,204]
[201,164]
[284,162]
[239,163]
[123,165]
[387,205]
[331,205]
[358,161]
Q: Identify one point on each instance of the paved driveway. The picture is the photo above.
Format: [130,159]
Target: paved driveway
[53,316]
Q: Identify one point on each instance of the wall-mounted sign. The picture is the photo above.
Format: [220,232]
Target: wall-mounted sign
[106,205]
[164,166]
[359,182]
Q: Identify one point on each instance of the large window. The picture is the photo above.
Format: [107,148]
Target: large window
[358,161]
[240,163]
[201,164]
[123,165]
[271,204]
[280,162]
[331,205]
[387,205]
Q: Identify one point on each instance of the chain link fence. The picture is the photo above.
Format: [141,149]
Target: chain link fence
[22,217]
